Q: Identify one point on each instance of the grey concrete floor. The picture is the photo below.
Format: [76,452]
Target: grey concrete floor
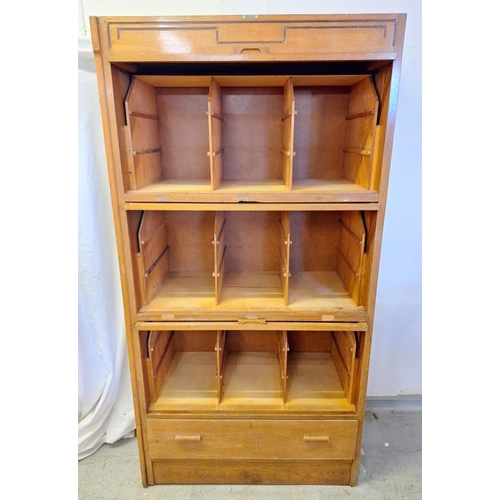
[390,469]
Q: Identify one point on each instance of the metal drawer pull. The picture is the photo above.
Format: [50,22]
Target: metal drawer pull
[188,439]
[316,439]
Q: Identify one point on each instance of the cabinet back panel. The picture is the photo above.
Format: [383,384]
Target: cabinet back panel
[320,128]
[309,341]
[252,240]
[194,340]
[252,132]
[190,237]
[314,241]
[183,129]
[252,341]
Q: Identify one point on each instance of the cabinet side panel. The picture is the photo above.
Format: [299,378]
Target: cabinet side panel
[115,148]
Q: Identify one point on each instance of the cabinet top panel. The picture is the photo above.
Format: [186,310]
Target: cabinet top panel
[249,38]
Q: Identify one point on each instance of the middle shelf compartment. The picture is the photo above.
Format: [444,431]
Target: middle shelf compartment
[190,263]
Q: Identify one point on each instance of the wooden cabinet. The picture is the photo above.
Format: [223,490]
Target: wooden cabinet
[248,160]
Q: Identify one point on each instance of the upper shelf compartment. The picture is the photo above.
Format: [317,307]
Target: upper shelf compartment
[252,138]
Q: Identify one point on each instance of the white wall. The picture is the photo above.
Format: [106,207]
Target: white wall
[396,366]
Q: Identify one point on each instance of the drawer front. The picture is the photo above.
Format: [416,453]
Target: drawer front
[251,471]
[219,439]
[253,38]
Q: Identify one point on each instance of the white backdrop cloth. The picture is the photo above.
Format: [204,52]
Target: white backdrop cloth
[105,407]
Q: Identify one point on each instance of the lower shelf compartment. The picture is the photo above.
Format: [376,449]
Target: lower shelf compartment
[225,371]
[327,472]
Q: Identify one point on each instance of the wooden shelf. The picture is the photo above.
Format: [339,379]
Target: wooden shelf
[192,296]
[268,191]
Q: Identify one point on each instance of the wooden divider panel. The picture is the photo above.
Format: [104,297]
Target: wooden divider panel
[220,349]
[142,135]
[344,357]
[159,355]
[283,349]
[215,133]
[350,252]
[153,253]
[219,242]
[284,252]
[288,120]
[360,135]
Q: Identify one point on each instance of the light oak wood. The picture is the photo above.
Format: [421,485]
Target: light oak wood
[158,357]
[255,207]
[288,38]
[288,124]
[215,168]
[223,439]
[184,134]
[142,134]
[284,253]
[250,325]
[210,471]
[220,349]
[248,80]
[215,133]
[344,357]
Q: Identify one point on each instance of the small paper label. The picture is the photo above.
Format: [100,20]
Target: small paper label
[250,17]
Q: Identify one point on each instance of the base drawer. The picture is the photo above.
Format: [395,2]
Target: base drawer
[252,472]
[261,439]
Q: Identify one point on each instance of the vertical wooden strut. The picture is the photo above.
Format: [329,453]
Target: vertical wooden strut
[360,135]
[284,253]
[220,349]
[153,253]
[219,243]
[142,135]
[283,349]
[288,119]
[215,133]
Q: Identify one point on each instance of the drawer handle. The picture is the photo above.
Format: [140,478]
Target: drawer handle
[188,439]
[250,49]
[316,439]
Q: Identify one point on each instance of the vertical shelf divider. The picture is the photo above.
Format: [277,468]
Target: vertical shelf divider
[361,133]
[142,135]
[215,118]
[284,253]
[153,253]
[220,349]
[219,243]
[283,349]
[159,355]
[288,119]
[351,252]
[344,359]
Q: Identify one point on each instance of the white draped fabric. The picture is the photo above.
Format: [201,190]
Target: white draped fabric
[105,407]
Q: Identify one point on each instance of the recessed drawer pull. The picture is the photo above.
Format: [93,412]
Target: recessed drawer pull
[250,49]
[316,439]
[188,439]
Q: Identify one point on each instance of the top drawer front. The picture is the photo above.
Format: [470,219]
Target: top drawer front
[336,38]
